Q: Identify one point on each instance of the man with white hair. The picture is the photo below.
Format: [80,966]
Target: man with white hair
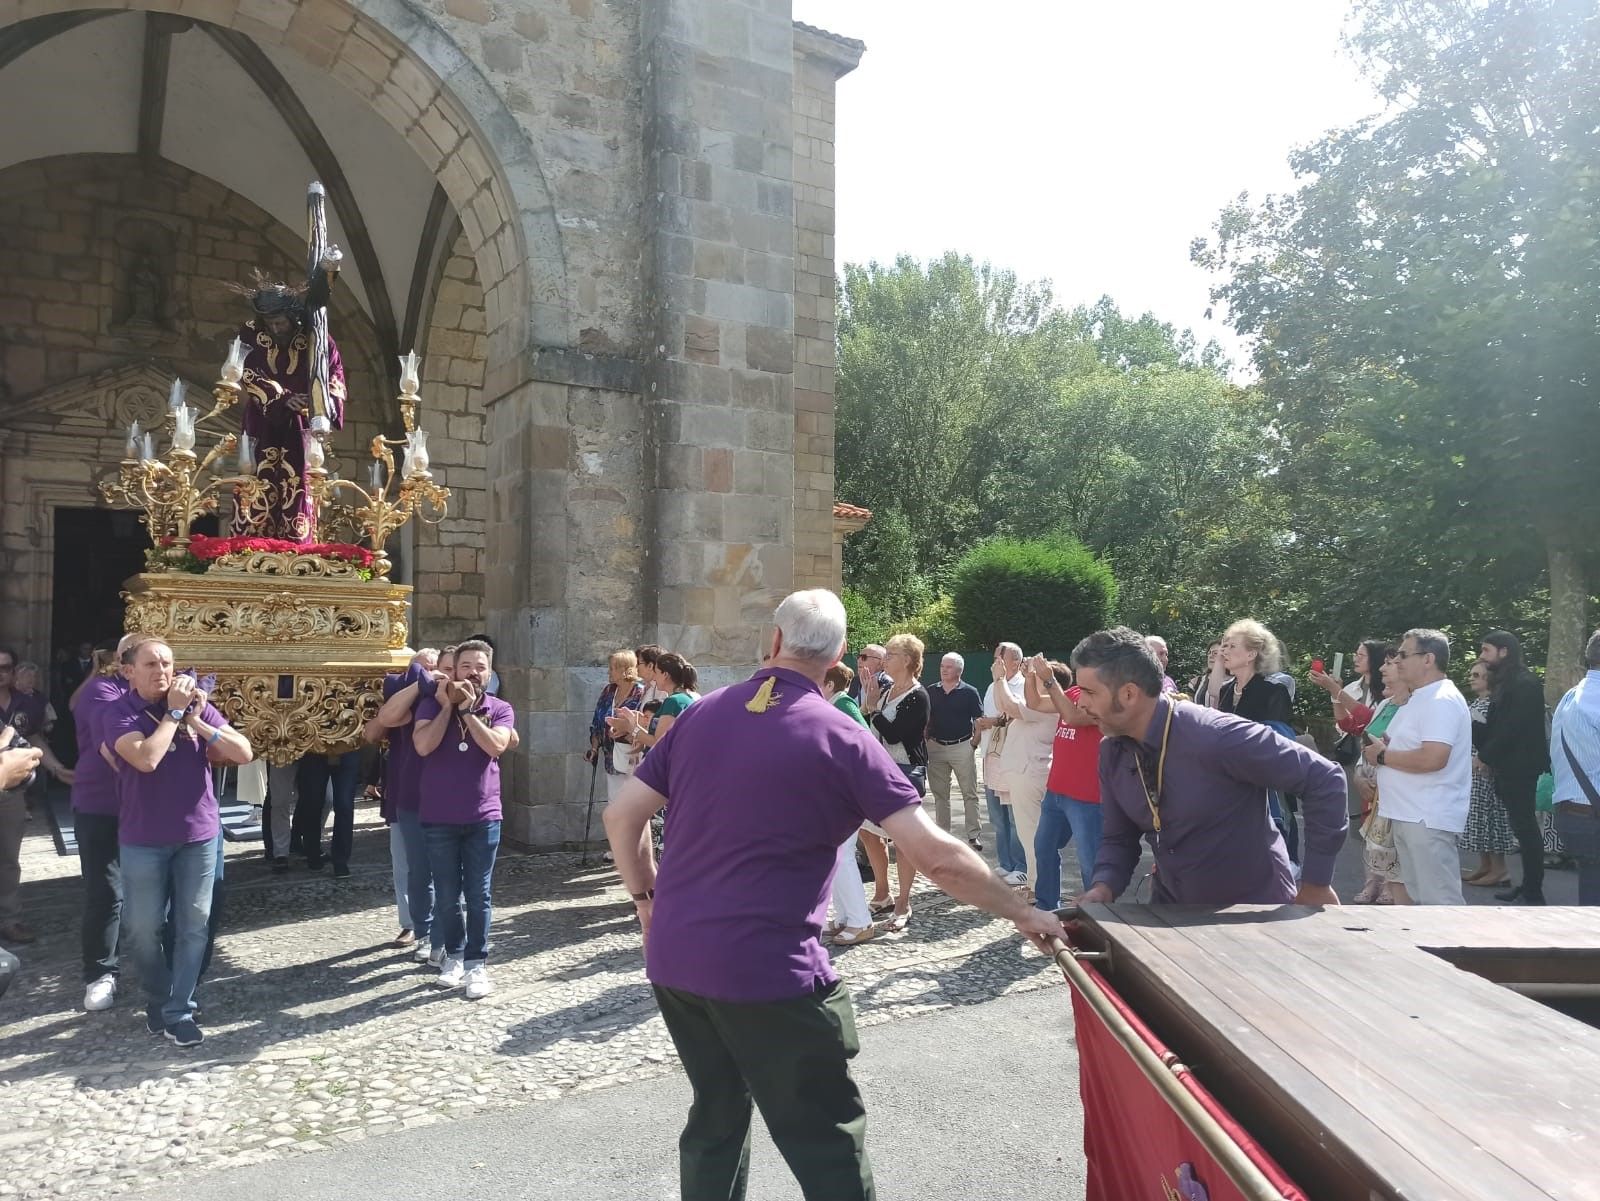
[955,710]
[1158,648]
[766,778]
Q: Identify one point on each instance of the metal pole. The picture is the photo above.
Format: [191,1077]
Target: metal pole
[1230,1157]
[588,816]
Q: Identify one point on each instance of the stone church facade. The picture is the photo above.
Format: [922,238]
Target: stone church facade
[606,225]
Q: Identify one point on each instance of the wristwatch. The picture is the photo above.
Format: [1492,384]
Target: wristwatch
[176,714]
[648,894]
[1381,756]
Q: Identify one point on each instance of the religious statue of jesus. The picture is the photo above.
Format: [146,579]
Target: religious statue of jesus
[276,391]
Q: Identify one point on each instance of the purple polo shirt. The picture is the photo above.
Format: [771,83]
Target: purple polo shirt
[400,775]
[173,804]
[458,787]
[1218,845]
[94,781]
[760,803]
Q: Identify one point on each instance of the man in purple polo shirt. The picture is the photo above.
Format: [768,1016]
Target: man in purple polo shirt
[94,809]
[400,800]
[766,779]
[22,715]
[459,736]
[167,828]
[1193,782]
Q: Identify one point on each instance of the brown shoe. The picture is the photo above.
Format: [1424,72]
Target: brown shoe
[16,932]
[403,939]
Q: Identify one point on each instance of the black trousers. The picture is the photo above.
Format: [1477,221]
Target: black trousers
[100,861]
[793,1059]
[1517,795]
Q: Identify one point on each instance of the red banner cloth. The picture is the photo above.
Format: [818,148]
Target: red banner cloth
[1136,1144]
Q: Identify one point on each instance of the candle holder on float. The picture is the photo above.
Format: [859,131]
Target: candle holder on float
[173,490]
[373,512]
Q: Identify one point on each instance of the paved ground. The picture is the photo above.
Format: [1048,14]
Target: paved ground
[322,1039]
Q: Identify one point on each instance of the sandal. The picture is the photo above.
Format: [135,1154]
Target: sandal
[1486,883]
[846,936]
[881,908]
[898,922]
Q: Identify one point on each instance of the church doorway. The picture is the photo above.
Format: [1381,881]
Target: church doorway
[95,550]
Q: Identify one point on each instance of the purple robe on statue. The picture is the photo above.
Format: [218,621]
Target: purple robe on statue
[272,374]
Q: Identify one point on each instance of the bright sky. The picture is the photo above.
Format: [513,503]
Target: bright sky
[1084,143]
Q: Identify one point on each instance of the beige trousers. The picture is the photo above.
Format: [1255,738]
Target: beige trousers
[961,761]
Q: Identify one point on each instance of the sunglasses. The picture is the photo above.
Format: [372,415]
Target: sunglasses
[1398,656]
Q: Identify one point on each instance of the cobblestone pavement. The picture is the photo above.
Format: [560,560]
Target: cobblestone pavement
[318,1033]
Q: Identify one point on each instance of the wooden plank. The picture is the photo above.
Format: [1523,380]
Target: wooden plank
[1479,1108]
[1248,1070]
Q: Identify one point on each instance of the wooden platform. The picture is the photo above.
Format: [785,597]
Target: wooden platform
[1371,1065]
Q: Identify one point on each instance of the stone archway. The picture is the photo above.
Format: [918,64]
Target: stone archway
[419,80]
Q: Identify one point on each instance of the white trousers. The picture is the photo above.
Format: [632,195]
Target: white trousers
[1430,863]
[849,898]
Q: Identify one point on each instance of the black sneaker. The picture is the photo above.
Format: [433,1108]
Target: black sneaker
[280,865]
[185,1033]
[975,843]
[153,1022]
[341,871]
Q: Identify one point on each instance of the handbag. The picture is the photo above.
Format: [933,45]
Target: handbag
[1347,751]
[1584,782]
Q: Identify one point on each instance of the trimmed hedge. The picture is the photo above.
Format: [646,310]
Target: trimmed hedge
[1046,593]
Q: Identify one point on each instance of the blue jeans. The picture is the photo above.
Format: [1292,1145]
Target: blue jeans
[1580,836]
[462,858]
[1007,846]
[314,773]
[419,878]
[154,881]
[1063,820]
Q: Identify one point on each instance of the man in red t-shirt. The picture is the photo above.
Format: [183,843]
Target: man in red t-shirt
[1071,810]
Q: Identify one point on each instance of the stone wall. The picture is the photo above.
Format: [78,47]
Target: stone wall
[113,279]
[820,59]
[448,574]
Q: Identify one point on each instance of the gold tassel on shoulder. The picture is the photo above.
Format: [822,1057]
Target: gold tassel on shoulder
[764,698]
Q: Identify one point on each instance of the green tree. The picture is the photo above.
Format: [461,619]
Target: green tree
[1430,292]
[1046,593]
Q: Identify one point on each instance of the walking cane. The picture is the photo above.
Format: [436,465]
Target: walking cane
[588,816]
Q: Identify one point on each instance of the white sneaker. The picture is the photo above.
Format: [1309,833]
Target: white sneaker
[422,953]
[478,984]
[450,973]
[1015,879]
[100,993]
[433,957]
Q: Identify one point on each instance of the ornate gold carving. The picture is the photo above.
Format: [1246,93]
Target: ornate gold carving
[322,713]
[286,563]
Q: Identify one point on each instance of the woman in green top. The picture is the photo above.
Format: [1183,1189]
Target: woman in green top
[673,675]
[1384,884]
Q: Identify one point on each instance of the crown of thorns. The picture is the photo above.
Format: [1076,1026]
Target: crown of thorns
[269,297]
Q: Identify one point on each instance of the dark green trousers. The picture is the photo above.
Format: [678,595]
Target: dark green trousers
[793,1059]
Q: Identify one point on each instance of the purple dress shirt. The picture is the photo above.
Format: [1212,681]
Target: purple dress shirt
[400,772]
[174,804]
[94,781]
[458,787]
[1217,845]
[760,803]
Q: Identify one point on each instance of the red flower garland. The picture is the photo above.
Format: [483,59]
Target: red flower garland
[208,549]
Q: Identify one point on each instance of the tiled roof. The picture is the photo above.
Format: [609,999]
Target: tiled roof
[851,512]
[853,43]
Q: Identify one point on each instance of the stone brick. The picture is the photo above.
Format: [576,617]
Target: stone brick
[476,11]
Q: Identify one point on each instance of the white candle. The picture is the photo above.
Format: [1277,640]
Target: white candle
[314,455]
[410,377]
[132,451]
[246,461]
[183,428]
[377,476]
[175,397]
[149,449]
[233,368]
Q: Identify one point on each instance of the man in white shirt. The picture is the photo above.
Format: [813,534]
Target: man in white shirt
[1424,765]
[1575,765]
[1007,842]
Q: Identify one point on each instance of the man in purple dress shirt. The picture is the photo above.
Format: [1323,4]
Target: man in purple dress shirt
[459,735]
[1193,782]
[167,830]
[94,810]
[400,800]
[766,779]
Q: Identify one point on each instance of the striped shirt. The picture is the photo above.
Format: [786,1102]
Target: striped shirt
[1577,724]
